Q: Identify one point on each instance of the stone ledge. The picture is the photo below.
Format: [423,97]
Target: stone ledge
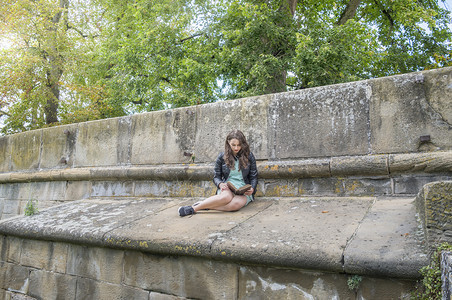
[368,165]
[365,236]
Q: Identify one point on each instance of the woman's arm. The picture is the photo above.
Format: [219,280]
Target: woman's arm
[218,173]
[253,172]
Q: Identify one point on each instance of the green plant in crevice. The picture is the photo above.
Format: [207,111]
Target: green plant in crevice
[31,208]
[353,282]
[429,287]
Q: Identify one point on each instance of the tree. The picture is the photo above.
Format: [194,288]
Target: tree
[48,58]
[30,76]
[91,59]
[370,38]
[157,55]
[256,43]
[327,42]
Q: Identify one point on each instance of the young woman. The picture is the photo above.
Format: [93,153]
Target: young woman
[237,165]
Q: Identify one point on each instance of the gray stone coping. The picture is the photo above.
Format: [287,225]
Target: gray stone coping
[362,235]
[368,165]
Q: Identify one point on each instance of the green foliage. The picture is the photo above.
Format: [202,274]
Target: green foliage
[31,207]
[430,288]
[156,56]
[80,60]
[353,282]
[256,42]
[334,55]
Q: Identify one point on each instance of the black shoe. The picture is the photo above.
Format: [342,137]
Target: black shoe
[186,210]
[199,202]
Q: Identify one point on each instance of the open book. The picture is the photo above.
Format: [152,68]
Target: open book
[240,190]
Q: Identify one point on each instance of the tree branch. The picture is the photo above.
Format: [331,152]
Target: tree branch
[80,32]
[4,113]
[191,37]
[349,11]
[386,13]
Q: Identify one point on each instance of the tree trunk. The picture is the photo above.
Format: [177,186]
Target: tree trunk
[277,83]
[55,71]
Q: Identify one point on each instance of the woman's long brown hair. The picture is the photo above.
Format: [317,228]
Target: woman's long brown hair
[243,153]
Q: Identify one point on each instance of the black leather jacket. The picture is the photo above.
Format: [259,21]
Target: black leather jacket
[222,171]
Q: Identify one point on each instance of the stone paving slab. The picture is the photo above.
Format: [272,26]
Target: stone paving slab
[389,235]
[307,233]
[362,235]
[166,232]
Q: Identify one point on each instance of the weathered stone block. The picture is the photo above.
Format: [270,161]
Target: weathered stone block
[410,184]
[13,249]
[14,277]
[22,191]
[50,190]
[215,121]
[9,295]
[438,92]
[77,190]
[400,114]
[112,188]
[359,165]
[92,289]
[318,186]
[349,186]
[387,241]
[363,186]
[174,189]
[97,143]
[44,255]
[5,154]
[323,121]
[279,188]
[11,207]
[95,263]
[124,140]
[269,283]
[181,275]
[6,190]
[25,150]
[376,288]
[255,125]
[163,136]
[51,285]
[58,146]
[434,204]
[431,162]
[294,169]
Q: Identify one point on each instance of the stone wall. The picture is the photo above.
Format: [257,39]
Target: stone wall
[379,116]
[386,136]
[55,270]
[382,138]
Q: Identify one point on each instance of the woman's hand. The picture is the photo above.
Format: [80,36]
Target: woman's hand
[249,192]
[223,186]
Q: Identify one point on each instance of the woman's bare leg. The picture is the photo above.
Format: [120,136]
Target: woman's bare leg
[235,204]
[215,201]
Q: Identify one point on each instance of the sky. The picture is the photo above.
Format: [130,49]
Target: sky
[449,5]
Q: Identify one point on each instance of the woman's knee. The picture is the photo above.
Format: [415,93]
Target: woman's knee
[226,197]
[236,205]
